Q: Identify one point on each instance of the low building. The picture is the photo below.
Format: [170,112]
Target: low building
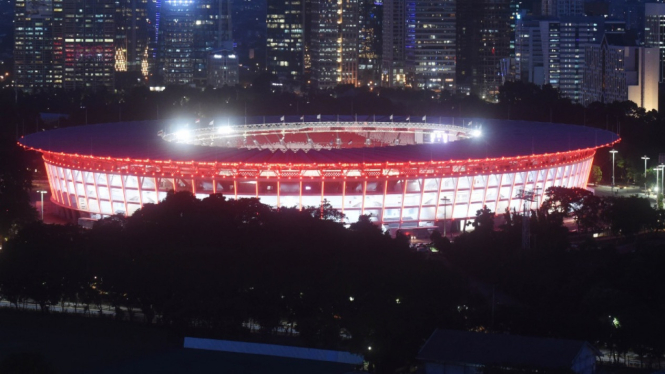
[617,70]
[463,352]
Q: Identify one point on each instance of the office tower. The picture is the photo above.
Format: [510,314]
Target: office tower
[88,29]
[618,70]
[654,31]
[483,37]
[249,34]
[285,42]
[551,50]
[529,65]
[212,32]
[393,64]
[222,69]
[189,32]
[370,42]
[132,36]
[38,45]
[562,8]
[431,44]
[632,12]
[334,43]
[177,40]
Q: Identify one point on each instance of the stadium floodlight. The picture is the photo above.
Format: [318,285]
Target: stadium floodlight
[476,133]
[225,130]
[183,135]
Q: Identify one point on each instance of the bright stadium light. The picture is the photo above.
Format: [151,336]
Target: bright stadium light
[225,130]
[182,135]
[476,133]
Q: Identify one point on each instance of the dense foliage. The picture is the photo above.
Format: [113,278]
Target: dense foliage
[218,264]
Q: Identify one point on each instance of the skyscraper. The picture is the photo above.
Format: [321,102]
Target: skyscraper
[132,36]
[483,37]
[431,44]
[177,39]
[393,64]
[562,8]
[38,45]
[550,50]
[285,40]
[189,32]
[334,43]
[654,32]
[370,41]
[88,29]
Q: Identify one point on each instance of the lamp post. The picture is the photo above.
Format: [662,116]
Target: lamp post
[645,158]
[662,179]
[656,186]
[41,192]
[613,152]
[445,200]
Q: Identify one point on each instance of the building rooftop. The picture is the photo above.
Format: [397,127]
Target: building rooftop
[464,347]
[140,140]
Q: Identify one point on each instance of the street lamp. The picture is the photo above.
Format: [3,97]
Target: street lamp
[613,152]
[445,200]
[645,158]
[662,179]
[41,192]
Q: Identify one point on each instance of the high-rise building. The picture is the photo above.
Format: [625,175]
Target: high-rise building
[483,37]
[617,70]
[176,41]
[88,29]
[132,36]
[654,32]
[419,44]
[222,68]
[370,41]
[285,40]
[38,45]
[334,43]
[393,64]
[551,50]
[190,30]
[212,32]
[431,44]
[562,8]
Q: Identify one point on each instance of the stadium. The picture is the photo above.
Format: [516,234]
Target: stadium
[405,173]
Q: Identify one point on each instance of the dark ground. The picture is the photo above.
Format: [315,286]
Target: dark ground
[75,344]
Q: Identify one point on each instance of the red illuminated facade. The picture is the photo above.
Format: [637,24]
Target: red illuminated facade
[397,194]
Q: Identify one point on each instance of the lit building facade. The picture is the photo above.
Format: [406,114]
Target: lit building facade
[654,31]
[334,43]
[483,37]
[133,36]
[404,174]
[38,45]
[431,43]
[222,68]
[177,41]
[89,44]
[190,30]
[285,48]
[393,63]
[551,50]
[617,71]
[370,42]
[65,44]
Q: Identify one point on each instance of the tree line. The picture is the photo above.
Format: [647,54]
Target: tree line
[218,267]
